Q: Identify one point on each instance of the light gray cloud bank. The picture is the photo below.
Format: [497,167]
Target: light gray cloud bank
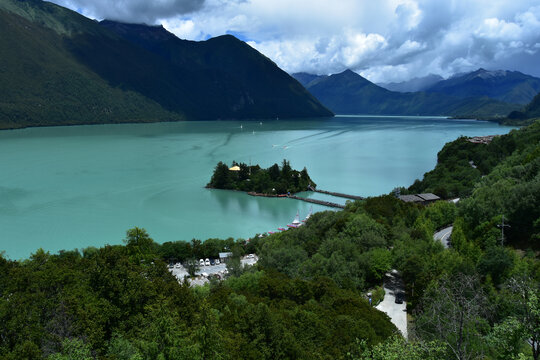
[136,11]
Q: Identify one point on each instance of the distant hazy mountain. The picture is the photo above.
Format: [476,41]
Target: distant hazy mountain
[507,86]
[350,93]
[307,79]
[416,84]
[58,67]
[530,111]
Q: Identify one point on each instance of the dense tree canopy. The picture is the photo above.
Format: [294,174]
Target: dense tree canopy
[121,302]
[272,181]
[461,164]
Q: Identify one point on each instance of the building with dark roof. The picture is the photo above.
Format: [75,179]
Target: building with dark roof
[424,199]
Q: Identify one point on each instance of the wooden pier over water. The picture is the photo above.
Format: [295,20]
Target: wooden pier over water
[319,202]
[347,196]
[314,201]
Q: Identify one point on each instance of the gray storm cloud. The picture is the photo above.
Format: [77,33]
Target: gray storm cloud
[136,11]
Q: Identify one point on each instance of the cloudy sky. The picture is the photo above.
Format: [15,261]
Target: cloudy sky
[383,40]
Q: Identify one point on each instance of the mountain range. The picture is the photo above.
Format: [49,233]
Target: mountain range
[350,93]
[59,68]
[508,86]
[412,85]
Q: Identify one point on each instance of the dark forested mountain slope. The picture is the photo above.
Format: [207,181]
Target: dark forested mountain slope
[226,77]
[42,83]
[508,86]
[350,93]
[533,109]
[58,68]
[307,79]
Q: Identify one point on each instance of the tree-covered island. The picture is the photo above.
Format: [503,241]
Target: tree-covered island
[252,178]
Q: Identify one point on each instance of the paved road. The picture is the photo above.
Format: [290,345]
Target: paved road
[397,312]
[444,235]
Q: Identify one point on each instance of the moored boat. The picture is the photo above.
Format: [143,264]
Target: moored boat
[296,222]
[309,214]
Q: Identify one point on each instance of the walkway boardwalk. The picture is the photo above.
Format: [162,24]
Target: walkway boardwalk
[347,196]
[319,202]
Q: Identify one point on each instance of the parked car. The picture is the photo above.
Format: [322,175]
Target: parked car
[201,262]
[207,262]
[400,297]
[218,262]
[212,262]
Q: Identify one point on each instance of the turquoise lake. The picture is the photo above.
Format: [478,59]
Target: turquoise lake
[79,186]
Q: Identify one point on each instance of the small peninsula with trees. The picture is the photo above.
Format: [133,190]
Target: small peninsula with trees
[272,181]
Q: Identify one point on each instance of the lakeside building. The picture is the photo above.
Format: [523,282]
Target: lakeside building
[224,256]
[481,139]
[424,199]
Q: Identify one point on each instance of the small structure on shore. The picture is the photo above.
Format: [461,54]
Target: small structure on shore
[481,139]
[224,256]
[424,199]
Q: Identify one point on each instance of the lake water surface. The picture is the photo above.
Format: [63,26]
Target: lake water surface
[79,186]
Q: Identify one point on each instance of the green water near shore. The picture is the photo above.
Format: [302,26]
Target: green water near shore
[73,187]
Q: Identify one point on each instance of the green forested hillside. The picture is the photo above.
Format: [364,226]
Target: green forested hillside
[58,67]
[505,180]
[121,302]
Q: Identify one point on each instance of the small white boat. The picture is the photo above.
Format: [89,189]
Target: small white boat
[309,214]
[296,222]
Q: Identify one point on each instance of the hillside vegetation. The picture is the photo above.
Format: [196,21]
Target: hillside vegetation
[121,302]
[505,179]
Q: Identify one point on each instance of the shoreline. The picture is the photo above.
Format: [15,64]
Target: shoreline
[298,118]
